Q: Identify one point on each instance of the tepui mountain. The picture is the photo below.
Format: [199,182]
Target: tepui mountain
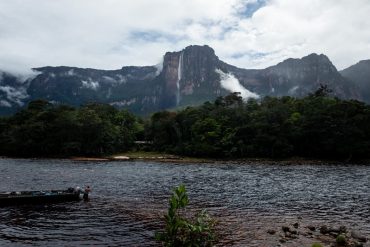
[187,77]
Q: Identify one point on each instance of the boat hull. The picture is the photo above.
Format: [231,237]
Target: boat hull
[38,198]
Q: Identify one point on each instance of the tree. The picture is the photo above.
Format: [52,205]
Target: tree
[322,91]
[44,129]
[164,131]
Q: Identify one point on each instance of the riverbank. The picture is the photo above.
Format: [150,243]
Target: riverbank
[170,158]
[146,156]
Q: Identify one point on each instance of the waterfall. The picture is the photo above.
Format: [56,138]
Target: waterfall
[179,75]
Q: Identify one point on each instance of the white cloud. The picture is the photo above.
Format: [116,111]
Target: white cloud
[229,82]
[112,33]
[159,67]
[109,79]
[70,72]
[90,84]
[293,90]
[21,75]
[5,103]
[16,95]
[290,28]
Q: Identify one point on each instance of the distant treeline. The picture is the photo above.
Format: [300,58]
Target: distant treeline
[44,129]
[316,126]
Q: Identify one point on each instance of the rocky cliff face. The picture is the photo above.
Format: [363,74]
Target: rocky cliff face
[298,77]
[360,75]
[188,77]
[130,87]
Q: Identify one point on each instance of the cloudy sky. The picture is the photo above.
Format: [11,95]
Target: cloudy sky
[109,34]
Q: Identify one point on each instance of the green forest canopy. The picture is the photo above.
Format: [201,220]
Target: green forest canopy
[316,126]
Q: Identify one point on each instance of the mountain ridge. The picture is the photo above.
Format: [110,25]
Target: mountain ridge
[359,73]
[187,77]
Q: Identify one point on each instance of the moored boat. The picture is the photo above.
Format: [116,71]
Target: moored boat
[38,197]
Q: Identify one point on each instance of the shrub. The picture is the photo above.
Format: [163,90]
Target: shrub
[316,245]
[180,231]
[341,240]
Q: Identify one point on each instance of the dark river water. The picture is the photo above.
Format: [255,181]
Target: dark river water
[129,199]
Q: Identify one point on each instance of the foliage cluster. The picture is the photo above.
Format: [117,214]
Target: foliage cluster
[316,245]
[180,231]
[316,126]
[341,240]
[44,129]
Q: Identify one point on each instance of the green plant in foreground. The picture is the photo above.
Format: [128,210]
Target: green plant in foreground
[316,245]
[180,231]
[341,240]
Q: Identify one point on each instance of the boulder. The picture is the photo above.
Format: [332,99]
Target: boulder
[285,228]
[312,228]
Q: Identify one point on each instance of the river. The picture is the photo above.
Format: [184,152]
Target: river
[129,199]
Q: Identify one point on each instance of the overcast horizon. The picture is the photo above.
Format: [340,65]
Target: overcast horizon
[244,33]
